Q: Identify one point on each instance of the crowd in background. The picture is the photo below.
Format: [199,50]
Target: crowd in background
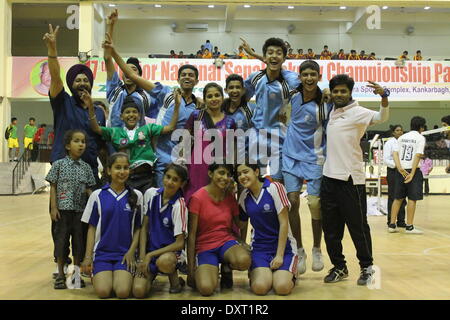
[208,51]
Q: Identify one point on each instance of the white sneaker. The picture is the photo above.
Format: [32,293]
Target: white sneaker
[301,265]
[413,230]
[317,264]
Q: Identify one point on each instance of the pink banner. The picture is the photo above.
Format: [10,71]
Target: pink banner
[415,81]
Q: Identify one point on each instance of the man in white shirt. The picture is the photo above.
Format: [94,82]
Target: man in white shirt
[343,190]
[408,180]
[388,159]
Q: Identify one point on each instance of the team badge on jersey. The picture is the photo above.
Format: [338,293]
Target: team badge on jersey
[166,222]
[127,207]
[266,207]
[141,139]
[123,141]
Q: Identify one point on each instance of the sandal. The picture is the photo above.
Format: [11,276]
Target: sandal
[180,286]
[60,283]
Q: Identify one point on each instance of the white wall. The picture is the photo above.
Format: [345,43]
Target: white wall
[141,37]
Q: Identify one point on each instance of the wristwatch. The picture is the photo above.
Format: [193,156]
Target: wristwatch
[386,93]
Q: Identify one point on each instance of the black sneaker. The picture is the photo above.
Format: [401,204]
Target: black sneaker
[401,224]
[226,277]
[365,276]
[336,274]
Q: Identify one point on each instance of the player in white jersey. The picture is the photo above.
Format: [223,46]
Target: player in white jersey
[408,180]
[388,159]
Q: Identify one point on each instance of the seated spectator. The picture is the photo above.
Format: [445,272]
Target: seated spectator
[173,54]
[207,54]
[199,54]
[353,55]
[181,55]
[362,55]
[418,56]
[372,56]
[310,54]
[325,54]
[300,54]
[216,53]
[241,53]
[291,54]
[404,56]
[446,134]
[341,55]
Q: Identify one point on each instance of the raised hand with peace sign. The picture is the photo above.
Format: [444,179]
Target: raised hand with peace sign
[56,84]
[50,40]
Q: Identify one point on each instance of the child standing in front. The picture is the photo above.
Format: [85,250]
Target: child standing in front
[408,180]
[71,179]
[114,217]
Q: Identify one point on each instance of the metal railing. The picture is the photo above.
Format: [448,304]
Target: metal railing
[21,168]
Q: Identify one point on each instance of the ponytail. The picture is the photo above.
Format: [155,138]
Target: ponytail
[132,197]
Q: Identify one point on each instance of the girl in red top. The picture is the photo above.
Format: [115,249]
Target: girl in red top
[211,241]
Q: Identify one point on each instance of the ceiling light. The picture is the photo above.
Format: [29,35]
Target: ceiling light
[290,7]
[385,7]
[112,5]
[342,7]
[247,6]
[158,6]
[211,6]
[427,8]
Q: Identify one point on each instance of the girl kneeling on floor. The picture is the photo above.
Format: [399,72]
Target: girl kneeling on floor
[211,241]
[274,254]
[114,217]
[163,232]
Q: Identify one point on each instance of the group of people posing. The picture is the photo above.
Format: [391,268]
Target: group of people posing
[154,205]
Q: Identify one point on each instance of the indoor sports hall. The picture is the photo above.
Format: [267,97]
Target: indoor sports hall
[400,45]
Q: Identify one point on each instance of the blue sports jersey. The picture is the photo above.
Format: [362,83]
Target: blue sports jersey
[242,116]
[114,220]
[166,103]
[305,139]
[263,213]
[272,97]
[116,93]
[166,222]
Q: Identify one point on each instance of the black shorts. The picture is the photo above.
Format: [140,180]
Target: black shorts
[69,225]
[412,190]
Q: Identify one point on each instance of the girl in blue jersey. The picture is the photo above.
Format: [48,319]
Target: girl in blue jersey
[114,217]
[163,232]
[274,250]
